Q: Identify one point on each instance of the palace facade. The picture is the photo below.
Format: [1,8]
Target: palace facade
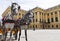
[43,18]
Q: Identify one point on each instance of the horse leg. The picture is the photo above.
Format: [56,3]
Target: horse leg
[16,36]
[11,34]
[5,36]
[5,33]
[19,35]
[25,34]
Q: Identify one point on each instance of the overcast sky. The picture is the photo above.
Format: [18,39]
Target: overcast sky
[28,4]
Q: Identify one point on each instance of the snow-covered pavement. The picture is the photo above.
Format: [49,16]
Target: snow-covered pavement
[42,35]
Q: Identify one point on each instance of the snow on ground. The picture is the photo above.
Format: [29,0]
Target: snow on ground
[42,35]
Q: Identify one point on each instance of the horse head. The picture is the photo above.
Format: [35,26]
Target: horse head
[15,8]
[27,18]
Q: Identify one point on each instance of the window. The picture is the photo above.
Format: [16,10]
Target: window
[52,20]
[55,12]
[56,26]
[51,13]
[56,19]
[42,13]
[48,14]
[19,13]
[48,26]
[36,20]
[36,13]
[36,26]
[52,26]
[33,26]
[40,20]
[48,20]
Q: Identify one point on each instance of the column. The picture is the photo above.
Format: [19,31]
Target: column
[38,16]
[54,16]
[41,16]
[58,16]
[46,17]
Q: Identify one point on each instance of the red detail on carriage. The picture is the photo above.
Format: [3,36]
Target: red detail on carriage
[8,22]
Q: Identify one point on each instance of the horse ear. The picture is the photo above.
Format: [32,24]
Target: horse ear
[18,7]
[12,6]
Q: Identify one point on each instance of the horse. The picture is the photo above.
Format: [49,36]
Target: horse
[16,25]
[9,21]
[25,20]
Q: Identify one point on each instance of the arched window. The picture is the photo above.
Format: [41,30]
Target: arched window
[33,26]
[36,26]
[36,13]
[56,19]
[51,13]
[55,12]
[36,20]
[52,20]
[48,14]
[40,20]
[48,20]
[48,26]
[52,26]
[19,13]
[56,26]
